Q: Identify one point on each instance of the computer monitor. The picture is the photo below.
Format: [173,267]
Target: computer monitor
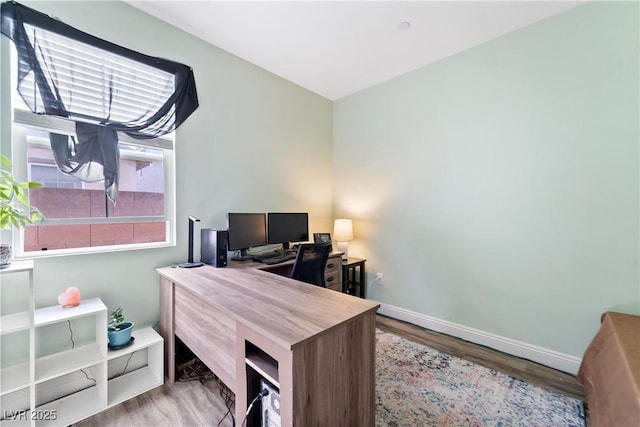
[246,230]
[287,227]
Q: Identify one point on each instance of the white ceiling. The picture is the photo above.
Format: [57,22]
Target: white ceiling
[336,48]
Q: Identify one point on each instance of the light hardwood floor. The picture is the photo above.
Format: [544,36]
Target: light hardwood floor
[201,403]
[189,403]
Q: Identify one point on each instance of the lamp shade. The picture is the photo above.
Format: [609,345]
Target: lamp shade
[342,230]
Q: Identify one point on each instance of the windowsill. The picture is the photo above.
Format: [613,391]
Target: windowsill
[91,250]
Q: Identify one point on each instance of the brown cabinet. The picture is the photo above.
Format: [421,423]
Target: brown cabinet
[333,272]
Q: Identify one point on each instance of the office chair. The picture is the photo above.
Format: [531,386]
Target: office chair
[310,263]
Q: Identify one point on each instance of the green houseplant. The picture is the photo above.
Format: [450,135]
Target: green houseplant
[15,209]
[118,330]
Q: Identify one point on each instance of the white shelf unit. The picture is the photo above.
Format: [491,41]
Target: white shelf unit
[144,378]
[67,386]
[15,379]
[22,320]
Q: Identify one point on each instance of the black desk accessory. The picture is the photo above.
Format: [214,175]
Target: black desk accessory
[190,263]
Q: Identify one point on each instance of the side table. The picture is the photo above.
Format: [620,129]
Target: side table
[353,276]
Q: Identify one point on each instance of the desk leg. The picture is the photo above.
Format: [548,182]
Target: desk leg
[363,280]
[167,329]
[345,279]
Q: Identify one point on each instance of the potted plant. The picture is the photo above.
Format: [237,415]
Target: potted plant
[15,209]
[118,330]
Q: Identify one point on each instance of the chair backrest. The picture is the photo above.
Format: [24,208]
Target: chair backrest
[310,263]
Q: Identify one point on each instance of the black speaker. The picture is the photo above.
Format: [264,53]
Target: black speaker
[213,247]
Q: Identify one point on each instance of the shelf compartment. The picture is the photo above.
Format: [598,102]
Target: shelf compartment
[353,288]
[136,382]
[15,408]
[17,266]
[148,366]
[55,313]
[72,408]
[15,322]
[144,337]
[67,361]
[14,377]
[16,423]
[263,364]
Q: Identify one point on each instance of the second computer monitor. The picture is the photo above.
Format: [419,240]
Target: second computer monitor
[287,227]
[246,230]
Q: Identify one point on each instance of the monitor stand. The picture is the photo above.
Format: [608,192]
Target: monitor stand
[287,248]
[243,256]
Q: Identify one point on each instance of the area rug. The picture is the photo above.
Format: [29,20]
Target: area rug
[420,386]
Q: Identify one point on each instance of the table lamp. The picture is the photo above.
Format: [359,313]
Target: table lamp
[342,233]
[190,263]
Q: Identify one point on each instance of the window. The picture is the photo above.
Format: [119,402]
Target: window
[78,216]
[98,112]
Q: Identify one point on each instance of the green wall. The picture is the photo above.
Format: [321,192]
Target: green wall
[256,143]
[498,188]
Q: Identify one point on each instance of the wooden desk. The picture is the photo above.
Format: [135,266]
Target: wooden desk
[321,343]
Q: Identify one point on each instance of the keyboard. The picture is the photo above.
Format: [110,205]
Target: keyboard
[278,259]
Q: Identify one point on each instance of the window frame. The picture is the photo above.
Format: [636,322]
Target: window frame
[13,144]
[25,119]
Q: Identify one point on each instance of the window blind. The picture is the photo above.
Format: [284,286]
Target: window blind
[96,85]
[105,87]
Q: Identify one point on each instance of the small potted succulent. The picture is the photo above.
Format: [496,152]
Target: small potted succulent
[15,209]
[118,330]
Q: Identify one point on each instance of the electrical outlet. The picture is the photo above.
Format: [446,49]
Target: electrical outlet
[379,279]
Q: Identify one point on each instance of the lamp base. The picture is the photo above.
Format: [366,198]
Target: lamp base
[344,248]
[190,264]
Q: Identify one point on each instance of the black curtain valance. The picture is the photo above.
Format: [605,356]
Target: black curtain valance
[65,72]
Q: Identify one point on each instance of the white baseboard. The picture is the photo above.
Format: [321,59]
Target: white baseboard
[560,361]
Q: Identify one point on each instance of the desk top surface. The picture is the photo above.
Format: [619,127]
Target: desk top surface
[262,266]
[287,311]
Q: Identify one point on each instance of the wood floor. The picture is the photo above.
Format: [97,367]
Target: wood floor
[206,402]
[187,403]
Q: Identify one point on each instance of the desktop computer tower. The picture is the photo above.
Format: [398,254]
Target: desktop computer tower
[213,247]
[270,406]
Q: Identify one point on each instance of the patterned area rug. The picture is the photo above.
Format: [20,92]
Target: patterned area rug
[419,386]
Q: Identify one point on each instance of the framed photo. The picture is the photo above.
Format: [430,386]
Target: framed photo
[321,237]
